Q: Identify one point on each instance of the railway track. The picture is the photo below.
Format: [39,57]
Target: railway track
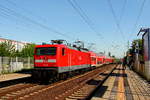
[78,87]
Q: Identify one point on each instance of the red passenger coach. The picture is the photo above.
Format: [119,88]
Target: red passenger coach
[100,60]
[96,59]
[93,58]
[56,58]
[109,60]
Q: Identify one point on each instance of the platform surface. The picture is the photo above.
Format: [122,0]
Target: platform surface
[13,76]
[123,85]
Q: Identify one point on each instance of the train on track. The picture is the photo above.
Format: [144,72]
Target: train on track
[59,59]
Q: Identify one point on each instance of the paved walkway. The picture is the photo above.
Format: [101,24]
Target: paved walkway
[7,77]
[123,85]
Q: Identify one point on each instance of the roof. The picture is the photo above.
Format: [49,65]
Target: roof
[14,41]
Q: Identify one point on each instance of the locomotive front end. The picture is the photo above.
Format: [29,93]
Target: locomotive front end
[45,62]
[45,57]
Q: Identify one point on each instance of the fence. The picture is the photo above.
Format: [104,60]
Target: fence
[12,64]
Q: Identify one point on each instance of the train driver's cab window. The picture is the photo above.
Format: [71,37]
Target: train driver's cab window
[46,51]
[63,51]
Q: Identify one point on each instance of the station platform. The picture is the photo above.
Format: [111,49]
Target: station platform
[13,76]
[123,85]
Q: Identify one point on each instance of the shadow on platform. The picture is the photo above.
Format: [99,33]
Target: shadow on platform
[101,91]
[115,74]
[93,82]
[25,71]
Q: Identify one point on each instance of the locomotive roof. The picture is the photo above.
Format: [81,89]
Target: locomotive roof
[51,45]
[60,45]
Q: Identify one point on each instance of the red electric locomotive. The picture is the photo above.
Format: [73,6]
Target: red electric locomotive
[56,58]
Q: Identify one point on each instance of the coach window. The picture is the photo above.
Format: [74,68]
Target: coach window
[63,51]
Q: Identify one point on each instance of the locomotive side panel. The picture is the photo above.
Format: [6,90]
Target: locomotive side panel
[75,60]
[80,60]
[64,57]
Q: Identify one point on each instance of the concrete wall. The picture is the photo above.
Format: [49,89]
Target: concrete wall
[9,64]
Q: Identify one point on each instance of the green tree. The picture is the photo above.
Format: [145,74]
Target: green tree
[134,46]
[113,56]
[28,50]
[17,53]
[7,49]
[136,49]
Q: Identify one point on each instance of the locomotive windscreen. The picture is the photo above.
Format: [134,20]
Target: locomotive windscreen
[46,51]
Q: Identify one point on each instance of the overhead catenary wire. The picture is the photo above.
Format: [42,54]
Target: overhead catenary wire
[36,16]
[138,18]
[118,19]
[122,10]
[83,12]
[29,20]
[87,20]
[7,16]
[115,19]
[25,10]
[84,16]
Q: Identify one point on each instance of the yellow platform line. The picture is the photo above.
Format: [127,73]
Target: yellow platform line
[121,88]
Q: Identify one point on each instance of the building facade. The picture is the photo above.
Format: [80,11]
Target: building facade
[18,44]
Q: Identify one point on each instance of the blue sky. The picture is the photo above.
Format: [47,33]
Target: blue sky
[15,23]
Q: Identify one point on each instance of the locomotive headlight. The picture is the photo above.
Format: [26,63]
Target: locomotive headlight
[38,61]
[52,60]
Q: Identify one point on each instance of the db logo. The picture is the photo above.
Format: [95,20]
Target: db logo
[80,58]
[45,59]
